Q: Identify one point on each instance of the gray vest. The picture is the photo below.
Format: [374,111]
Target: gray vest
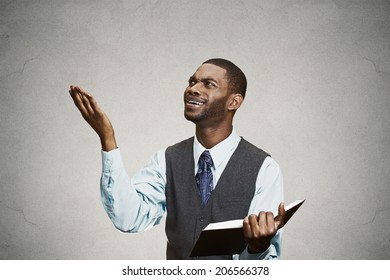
[230,199]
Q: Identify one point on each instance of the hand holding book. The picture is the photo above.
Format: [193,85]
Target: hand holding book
[227,238]
[260,229]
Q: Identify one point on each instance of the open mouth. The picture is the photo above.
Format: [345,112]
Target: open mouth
[194,101]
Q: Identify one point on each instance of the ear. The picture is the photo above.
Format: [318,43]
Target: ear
[235,102]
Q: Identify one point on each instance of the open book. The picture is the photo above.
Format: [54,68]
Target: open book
[227,238]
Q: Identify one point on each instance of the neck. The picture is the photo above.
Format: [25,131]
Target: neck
[211,136]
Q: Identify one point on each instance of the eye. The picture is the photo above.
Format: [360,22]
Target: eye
[210,84]
[191,82]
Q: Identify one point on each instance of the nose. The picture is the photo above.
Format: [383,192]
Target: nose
[194,89]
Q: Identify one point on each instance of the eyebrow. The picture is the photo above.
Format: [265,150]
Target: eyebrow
[193,78]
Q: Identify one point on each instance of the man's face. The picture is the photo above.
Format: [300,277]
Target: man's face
[206,96]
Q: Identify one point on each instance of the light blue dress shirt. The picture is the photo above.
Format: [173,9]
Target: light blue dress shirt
[138,203]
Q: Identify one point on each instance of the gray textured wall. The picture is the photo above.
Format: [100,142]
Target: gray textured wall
[318,101]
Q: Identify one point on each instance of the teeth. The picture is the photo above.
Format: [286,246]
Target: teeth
[195,102]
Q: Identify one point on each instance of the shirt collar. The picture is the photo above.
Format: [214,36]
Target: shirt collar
[219,151]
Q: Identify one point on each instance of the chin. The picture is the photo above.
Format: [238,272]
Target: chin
[192,118]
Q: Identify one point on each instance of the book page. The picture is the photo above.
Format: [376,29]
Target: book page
[239,223]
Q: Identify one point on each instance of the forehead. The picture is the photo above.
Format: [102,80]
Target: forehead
[210,71]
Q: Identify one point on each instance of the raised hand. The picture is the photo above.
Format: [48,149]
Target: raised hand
[94,116]
[260,229]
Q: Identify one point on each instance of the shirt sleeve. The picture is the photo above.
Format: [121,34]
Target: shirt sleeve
[268,195]
[133,204]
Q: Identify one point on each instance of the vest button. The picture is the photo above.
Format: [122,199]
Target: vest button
[201,218]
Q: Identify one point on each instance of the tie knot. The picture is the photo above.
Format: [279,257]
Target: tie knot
[205,158]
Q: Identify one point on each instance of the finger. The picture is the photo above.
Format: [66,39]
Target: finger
[78,91]
[262,222]
[253,226]
[270,228]
[247,229]
[87,104]
[74,92]
[93,103]
[279,220]
[85,99]
[266,224]
[77,99]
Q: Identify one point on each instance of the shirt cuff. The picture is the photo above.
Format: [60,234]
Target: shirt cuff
[259,256]
[111,160]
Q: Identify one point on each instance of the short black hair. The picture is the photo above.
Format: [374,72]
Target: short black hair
[236,78]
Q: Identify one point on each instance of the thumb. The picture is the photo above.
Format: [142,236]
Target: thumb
[280,218]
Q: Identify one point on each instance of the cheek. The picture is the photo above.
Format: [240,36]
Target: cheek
[224,101]
[219,106]
[185,92]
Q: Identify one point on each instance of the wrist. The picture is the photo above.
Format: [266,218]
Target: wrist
[258,249]
[108,142]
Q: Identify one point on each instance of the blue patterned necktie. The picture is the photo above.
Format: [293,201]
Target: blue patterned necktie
[204,177]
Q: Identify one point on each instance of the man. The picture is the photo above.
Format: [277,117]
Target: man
[214,176]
